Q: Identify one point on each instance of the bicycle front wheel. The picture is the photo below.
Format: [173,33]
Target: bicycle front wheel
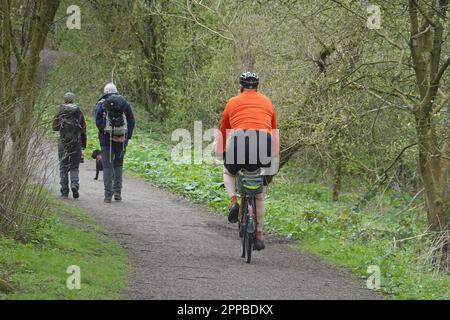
[243,243]
[249,245]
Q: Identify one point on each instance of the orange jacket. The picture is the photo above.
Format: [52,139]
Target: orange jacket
[250,110]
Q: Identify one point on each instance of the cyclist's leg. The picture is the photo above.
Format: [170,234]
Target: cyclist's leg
[231,168]
[260,209]
[230,183]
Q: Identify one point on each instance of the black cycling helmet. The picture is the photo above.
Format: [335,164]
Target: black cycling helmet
[249,80]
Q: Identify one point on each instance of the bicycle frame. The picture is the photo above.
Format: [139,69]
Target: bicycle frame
[247,226]
[249,186]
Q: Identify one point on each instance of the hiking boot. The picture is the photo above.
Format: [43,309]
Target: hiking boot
[117,196]
[108,200]
[75,193]
[234,213]
[65,196]
[259,242]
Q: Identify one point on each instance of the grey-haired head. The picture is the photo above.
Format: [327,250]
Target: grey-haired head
[69,97]
[110,88]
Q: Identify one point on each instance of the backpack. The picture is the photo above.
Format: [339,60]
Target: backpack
[70,127]
[116,120]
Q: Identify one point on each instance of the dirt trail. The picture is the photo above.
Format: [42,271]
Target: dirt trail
[179,250]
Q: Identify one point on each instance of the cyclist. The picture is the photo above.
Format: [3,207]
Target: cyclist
[245,142]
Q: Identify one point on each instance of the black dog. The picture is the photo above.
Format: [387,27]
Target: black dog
[97,155]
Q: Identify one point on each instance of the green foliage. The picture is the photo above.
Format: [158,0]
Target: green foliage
[152,160]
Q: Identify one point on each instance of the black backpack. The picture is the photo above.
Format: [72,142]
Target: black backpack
[116,120]
[70,127]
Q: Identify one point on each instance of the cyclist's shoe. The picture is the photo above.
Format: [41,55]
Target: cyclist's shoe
[259,242]
[108,200]
[75,193]
[234,211]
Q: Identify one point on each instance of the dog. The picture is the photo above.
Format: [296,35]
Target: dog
[97,155]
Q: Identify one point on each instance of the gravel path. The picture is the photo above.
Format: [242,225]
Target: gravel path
[179,250]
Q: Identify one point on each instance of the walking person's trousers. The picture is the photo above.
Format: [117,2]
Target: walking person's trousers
[69,165]
[112,159]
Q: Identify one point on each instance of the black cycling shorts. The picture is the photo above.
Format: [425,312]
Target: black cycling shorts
[249,150]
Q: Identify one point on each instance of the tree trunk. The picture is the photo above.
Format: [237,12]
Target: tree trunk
[426,46]
[151,37]
[25,86]
[431,172]
[337,176]
[5,72]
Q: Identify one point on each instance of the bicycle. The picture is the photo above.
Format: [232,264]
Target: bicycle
[248,184]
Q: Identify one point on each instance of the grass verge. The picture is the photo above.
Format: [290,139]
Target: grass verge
[37,270]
